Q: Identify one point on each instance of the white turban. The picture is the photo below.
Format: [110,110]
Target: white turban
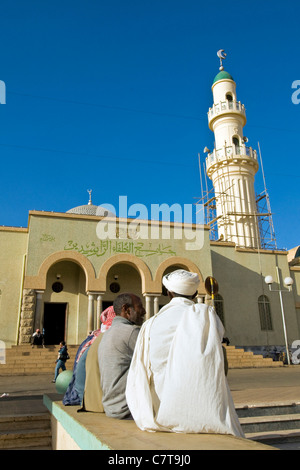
[181,282]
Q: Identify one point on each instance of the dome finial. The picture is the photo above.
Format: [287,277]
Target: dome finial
[90,199]
[222,55]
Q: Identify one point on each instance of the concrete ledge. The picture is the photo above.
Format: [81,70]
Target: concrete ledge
[95,431]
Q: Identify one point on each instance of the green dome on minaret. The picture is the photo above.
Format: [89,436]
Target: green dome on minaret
[222,76]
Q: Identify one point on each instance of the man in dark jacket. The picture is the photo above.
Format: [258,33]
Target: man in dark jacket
[61,360]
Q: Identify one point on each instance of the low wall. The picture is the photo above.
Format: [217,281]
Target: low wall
[95,431]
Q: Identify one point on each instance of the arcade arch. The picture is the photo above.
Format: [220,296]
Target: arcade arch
[83,292]
[130,260]
[64,310]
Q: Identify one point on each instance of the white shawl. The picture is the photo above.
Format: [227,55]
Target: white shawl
[195,396]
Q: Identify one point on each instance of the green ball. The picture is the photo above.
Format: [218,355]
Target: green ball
[63,380]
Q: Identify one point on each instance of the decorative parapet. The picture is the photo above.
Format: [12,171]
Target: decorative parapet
[233,154]
[225,107]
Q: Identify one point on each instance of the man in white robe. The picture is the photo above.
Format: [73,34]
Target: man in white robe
[176,380]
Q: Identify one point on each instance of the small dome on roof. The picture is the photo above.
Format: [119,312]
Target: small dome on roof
[222,76]
[87,209]
[91,209]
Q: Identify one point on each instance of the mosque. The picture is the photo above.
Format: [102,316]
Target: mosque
[59,275]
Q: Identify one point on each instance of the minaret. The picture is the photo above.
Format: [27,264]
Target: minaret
[232,165]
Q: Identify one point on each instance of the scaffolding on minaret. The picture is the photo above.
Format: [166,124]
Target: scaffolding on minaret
[263,215]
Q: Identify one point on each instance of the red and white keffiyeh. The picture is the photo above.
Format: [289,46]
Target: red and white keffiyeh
[106,318]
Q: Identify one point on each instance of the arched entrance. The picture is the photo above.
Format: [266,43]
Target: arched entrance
[77,275]
[64,309]
[120,278]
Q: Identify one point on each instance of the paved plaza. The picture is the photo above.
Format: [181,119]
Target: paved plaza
[249,387]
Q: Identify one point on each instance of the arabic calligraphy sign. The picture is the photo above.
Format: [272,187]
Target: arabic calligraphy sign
[114,246]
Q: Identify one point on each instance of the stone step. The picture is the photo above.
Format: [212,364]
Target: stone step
[251,364]
[25,439]
[34,360]
[16,423]
[27,370]
[239,358]
[25,432]
[42,447]
[23,359]
[275,437]
[268,410]
[270,423]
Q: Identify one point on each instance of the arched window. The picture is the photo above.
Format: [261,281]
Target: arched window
[236,144]
[219,307]
[229,99]
[265,313]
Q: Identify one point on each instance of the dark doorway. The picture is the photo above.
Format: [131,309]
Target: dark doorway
[54,322]
[106,304]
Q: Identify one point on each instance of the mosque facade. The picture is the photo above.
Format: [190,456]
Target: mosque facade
[58,274]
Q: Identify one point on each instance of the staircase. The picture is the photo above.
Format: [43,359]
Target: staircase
[239,359]
[26,432]
[25,360]
[275,425]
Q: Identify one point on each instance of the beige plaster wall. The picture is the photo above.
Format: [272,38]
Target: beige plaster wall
[69,245]
[13,248]
[240,283]
[295,275]
[77,237]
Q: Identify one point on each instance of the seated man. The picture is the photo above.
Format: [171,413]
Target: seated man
[109,358]
[75,390]
[176,381]
[37,338]
[115,353]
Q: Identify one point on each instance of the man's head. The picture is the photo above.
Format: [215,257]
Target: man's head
[181,283]
[130,306]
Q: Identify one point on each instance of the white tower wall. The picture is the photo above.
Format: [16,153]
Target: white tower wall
[232,166]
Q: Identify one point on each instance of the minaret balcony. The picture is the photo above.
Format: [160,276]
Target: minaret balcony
[240,154]
[225,107]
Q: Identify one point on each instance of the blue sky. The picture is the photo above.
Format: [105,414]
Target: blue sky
[113,96]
